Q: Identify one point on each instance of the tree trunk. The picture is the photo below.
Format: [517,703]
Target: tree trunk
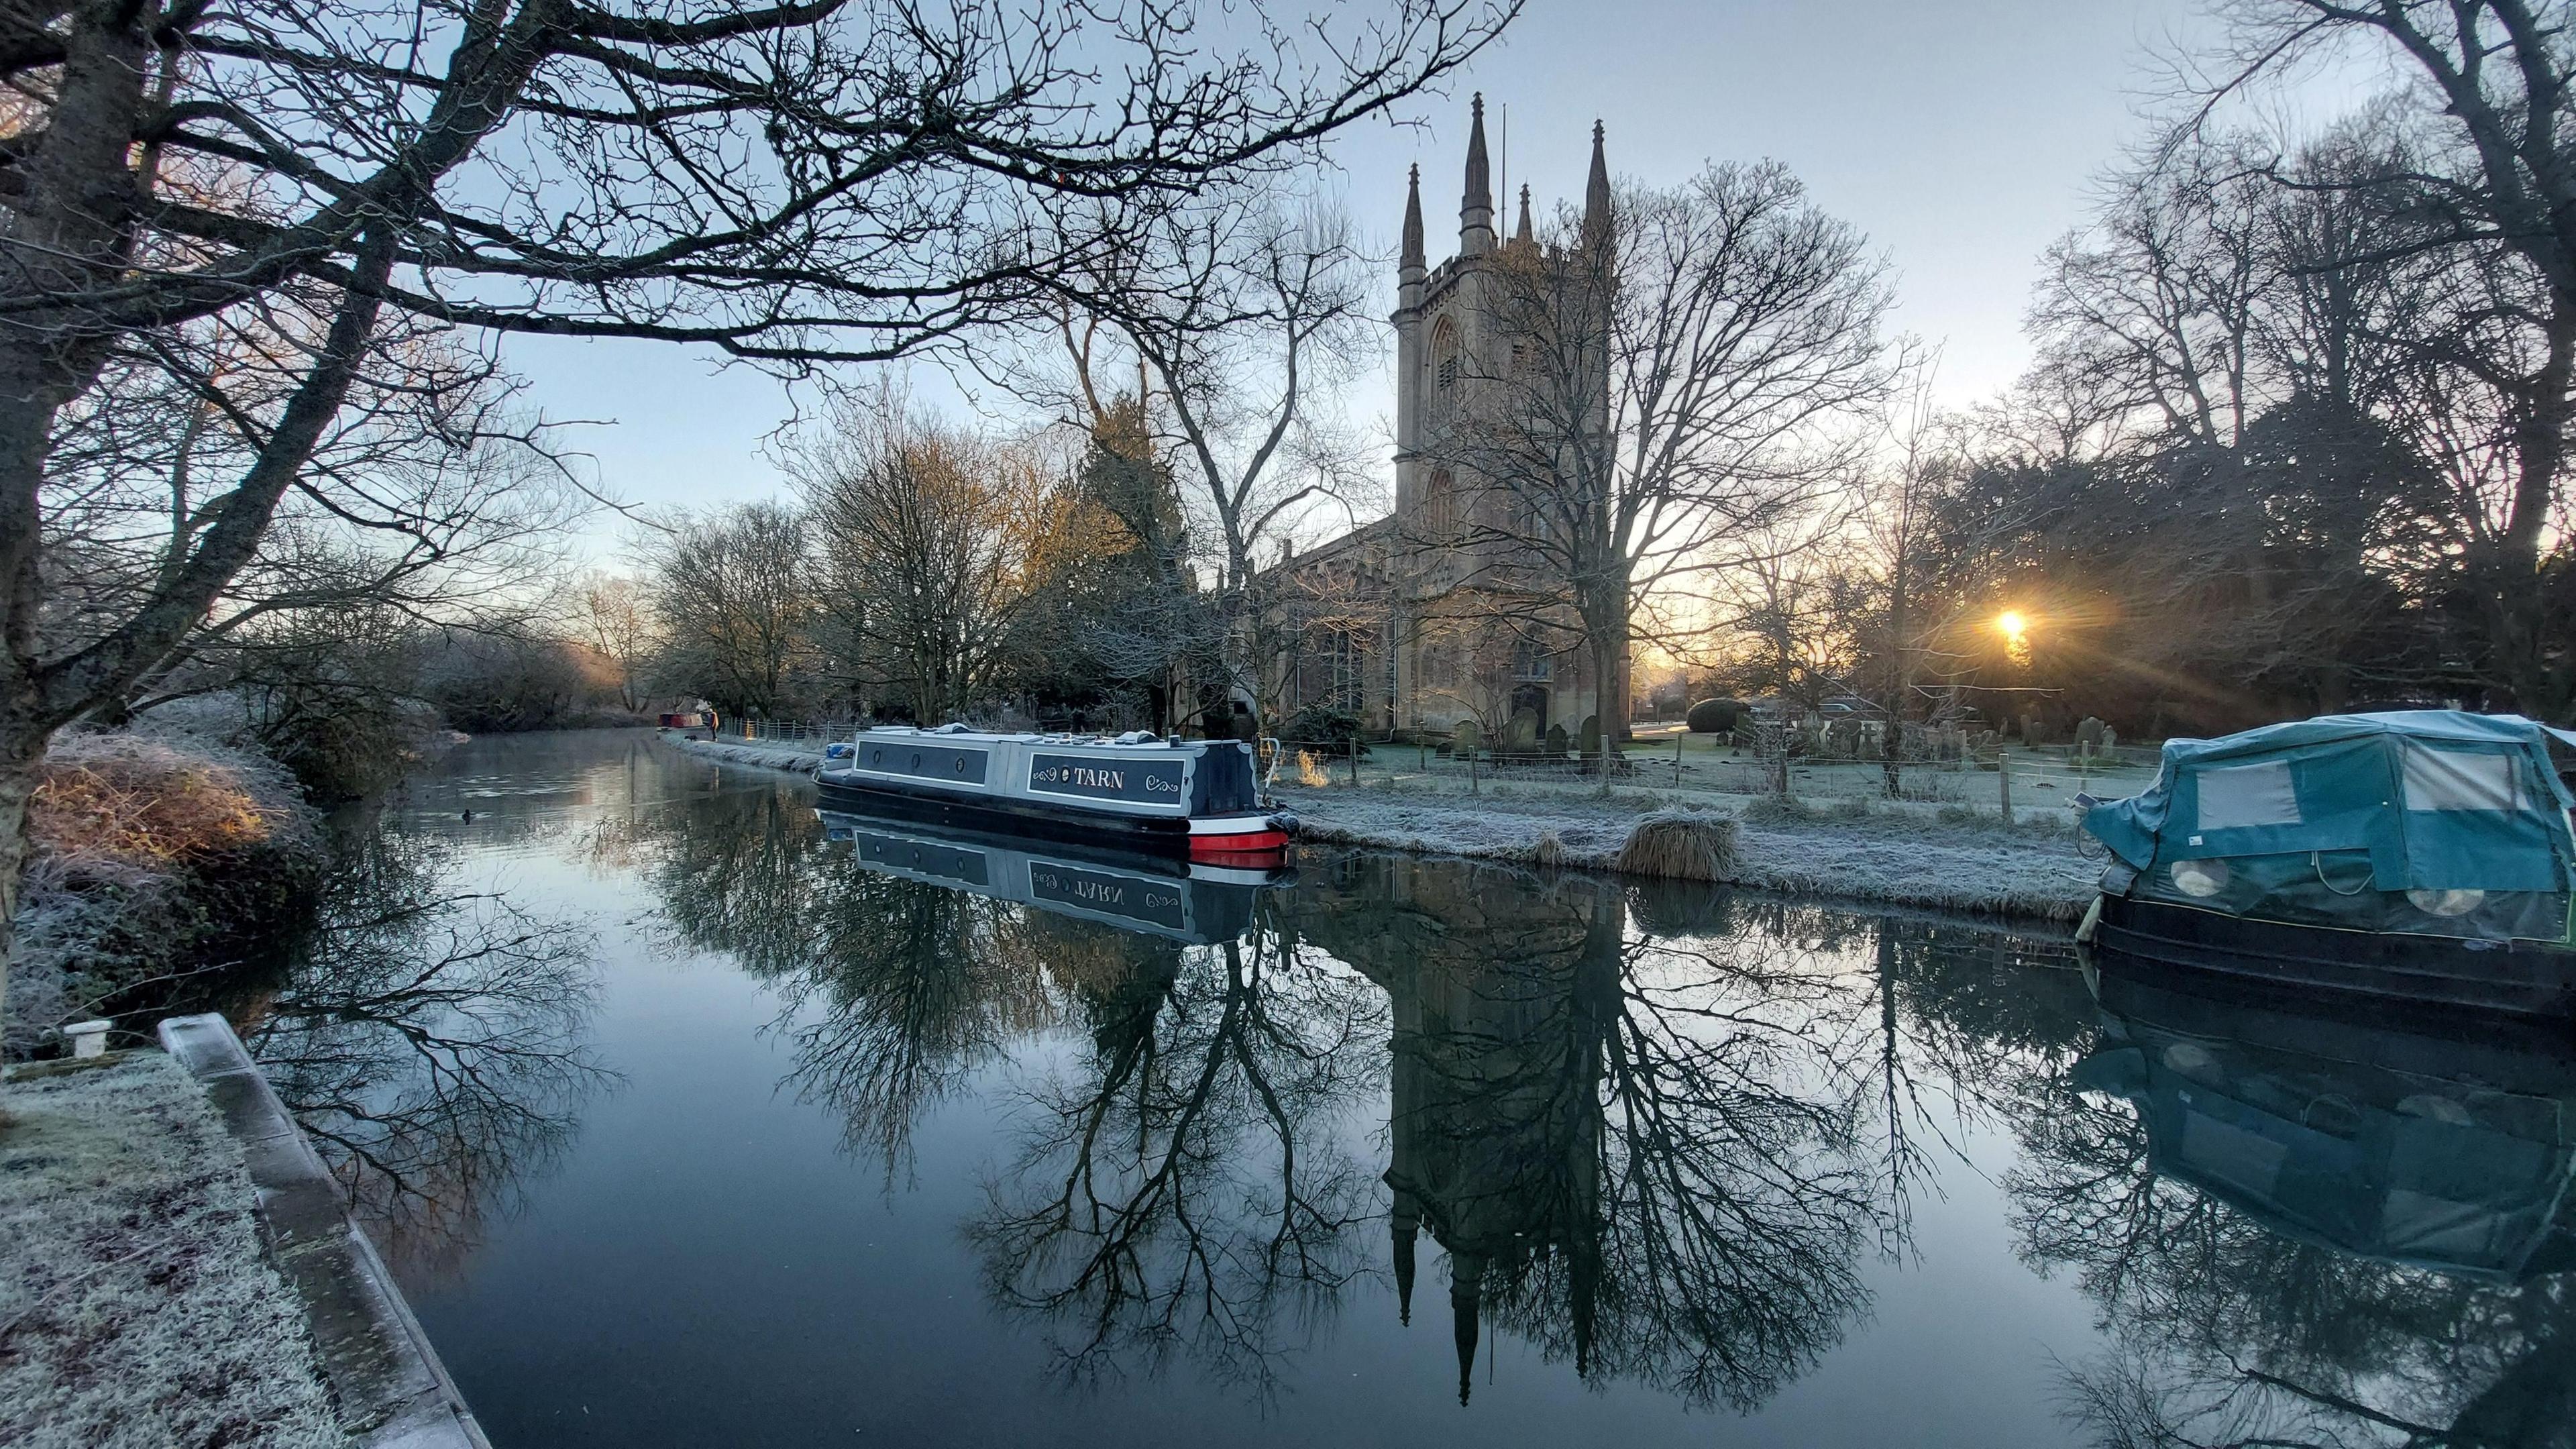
[22,748]
[2516,597]
[1892,748]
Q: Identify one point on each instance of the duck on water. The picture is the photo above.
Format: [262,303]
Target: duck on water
[2419,856]
[1197,799]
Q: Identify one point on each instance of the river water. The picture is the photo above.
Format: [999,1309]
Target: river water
[688,1117]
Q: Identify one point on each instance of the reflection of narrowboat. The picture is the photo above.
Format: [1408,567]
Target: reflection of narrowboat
[1192,798]
[1196,902]
[2421,856]
[2360,1135]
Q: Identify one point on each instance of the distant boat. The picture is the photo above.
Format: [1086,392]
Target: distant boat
[1195,799]
[1197,904]
[2419,855]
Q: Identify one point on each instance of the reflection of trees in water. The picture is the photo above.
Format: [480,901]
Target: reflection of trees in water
[429,1042]
[2225,1331]
[1185,1187]
[1189,1186]
[894,991]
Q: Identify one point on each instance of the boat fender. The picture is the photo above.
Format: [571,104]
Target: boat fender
[2091,925]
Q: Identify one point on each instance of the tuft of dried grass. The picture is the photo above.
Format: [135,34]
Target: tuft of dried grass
[1680,845]
[126,799]
[1550,850]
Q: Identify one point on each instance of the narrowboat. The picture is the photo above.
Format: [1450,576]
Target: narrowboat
[1195,799]
[1195,903]
[2419,856]
[2373,1134]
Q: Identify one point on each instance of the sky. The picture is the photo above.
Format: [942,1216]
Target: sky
[1962,136]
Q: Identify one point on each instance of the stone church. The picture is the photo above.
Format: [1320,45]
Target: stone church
[1393,622]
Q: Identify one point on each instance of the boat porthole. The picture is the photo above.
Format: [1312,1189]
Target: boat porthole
[961,764]
[2200,879]
[916,762]
[2446,903]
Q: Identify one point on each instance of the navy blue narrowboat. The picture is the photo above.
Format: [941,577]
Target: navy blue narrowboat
[1196,799]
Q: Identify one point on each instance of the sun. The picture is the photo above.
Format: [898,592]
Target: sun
[2016,631]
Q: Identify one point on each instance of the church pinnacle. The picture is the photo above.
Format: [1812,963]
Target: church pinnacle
[1476,208]
[1596,192]
[1521,231]
[1411,261]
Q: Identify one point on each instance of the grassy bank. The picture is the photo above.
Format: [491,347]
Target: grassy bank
[1887,855]
[159,866]
[136,1308]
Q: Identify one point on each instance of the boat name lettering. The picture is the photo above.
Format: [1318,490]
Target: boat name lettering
[1159,781]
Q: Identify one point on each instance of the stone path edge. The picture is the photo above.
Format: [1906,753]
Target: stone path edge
[386,1380]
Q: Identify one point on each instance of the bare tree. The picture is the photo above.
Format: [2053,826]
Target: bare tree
[1244,320]
[1678,371]
[790,183]
[2491,178]
[930,540]
[735,598]
[613,615]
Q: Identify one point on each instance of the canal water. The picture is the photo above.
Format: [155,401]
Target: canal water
[687,1116]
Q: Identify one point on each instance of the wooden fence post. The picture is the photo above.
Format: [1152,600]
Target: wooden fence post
[2003,779]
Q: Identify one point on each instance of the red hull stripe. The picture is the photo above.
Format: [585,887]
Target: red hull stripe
[1260,842]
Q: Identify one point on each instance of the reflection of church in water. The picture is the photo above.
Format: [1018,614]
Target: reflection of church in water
[1500,1018]
[1419,620]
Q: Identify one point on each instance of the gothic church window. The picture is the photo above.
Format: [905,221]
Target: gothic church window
[1444,371]
[1440,505]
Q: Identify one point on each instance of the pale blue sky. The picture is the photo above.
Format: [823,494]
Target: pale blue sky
[1962,137]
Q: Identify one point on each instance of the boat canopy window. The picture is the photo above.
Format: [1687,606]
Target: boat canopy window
[2235,797]
[2452,779]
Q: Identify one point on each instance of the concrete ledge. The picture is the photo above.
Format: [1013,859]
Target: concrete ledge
[386,1381]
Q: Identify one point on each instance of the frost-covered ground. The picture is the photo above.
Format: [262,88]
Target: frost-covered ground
[136,1308]
[1899,857]
[800,759]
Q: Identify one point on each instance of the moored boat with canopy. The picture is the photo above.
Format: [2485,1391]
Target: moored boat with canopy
[2413,853]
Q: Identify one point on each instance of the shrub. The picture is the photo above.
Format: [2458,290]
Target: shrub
[1316,725]
[1714,716]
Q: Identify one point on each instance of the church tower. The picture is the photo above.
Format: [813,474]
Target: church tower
[1449,356]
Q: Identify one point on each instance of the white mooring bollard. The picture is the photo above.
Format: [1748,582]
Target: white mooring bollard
[89,1038]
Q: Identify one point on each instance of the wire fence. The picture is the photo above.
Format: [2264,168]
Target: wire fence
[784,732]
[2021,780]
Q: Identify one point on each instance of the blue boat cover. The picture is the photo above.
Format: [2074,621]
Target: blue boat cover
[2290,820]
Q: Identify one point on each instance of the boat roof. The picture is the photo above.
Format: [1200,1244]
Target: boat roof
[962,734]
[2453,725]
[2432,799]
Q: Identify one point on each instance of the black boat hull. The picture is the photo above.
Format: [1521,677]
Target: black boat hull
[1149,836]
[2523,978]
